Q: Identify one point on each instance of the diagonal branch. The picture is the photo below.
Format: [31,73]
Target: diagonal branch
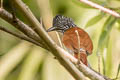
[20,26]
[21,36]
[101,8]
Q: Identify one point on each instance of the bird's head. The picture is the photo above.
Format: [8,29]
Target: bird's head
[61,24]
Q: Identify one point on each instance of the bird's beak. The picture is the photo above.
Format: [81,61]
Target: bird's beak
[52,29]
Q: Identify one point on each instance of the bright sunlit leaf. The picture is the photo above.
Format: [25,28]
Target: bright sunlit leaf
[94,20]
[106,31]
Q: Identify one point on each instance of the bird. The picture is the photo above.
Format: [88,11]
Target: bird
[74,38]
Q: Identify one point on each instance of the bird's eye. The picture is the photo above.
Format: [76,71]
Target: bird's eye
[66,26]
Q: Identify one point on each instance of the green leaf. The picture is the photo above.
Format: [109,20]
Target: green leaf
[94,20]
[105,31]
[103,41]
[104,65]
[108,61]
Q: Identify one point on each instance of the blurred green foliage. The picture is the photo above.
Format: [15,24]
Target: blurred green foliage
[35,64]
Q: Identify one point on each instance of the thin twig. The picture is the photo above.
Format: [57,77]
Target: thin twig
[20,26]
[58,36]
[21,36]
[118,71]
[78,38]
[106,10]
[99,60]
